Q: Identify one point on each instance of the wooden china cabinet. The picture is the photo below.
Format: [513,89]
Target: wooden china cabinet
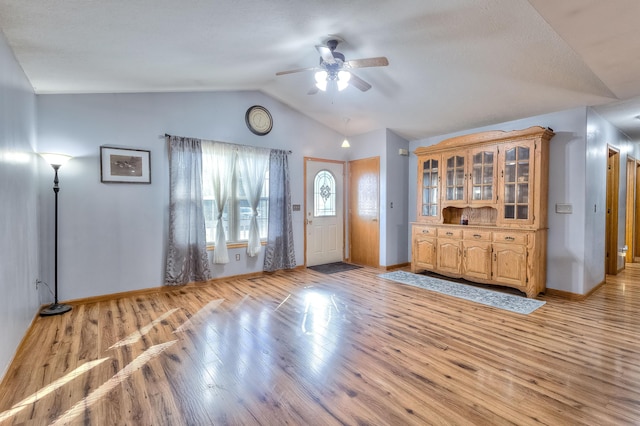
[482,208]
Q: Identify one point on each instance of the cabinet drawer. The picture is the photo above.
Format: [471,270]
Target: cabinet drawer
[450,233]
[430,231]
[476,235]
[510,237]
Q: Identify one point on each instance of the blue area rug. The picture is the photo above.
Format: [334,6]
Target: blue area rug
[509,302]
[332,268]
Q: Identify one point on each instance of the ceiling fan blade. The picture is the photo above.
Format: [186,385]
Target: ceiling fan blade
[313,90]
[327,55]
[359,83]
[296,70]
[368,62]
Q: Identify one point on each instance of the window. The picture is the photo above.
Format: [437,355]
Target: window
[236,219]
[324,193]
[237,213]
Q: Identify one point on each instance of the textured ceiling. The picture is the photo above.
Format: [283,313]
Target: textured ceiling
[454,64]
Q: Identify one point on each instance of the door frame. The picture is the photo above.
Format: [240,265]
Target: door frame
[636,252]
[630,229]
[611,212]
[344,198]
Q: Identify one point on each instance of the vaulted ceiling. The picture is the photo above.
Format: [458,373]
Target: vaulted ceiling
[453,64]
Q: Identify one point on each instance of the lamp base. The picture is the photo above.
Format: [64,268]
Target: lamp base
[55,309]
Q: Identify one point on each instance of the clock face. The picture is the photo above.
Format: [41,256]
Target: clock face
[259,120]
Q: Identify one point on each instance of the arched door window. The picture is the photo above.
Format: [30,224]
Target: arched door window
[324,194]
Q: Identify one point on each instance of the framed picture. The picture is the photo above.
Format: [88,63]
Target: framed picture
[122,165]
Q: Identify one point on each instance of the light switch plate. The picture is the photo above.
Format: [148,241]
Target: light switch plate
[564,208]
[295,207]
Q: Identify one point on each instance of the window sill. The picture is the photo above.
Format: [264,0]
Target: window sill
[211,247]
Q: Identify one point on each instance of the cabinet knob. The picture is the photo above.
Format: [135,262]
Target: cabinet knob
[509,238]
[477,236]
[449,233]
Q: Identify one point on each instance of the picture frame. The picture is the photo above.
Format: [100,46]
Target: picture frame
[124,165]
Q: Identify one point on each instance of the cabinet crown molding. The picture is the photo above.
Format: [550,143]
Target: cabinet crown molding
[489,137]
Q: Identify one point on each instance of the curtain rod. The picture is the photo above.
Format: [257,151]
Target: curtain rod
[167,135]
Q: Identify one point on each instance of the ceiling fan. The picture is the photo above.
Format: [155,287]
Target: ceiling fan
[334,68]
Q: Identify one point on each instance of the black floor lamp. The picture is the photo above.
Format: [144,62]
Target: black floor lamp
[56,160]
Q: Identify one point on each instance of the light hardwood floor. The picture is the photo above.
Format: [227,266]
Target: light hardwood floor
[311,349]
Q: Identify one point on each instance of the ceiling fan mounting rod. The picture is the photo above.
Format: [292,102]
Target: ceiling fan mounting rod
[332,44]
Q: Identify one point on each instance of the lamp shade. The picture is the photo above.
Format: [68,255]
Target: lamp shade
[343,80]
[55,159]
[321,80]
[345,143]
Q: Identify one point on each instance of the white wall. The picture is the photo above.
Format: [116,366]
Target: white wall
[566,245]
[18,210]
[600,135]
[112,236]
[396,203]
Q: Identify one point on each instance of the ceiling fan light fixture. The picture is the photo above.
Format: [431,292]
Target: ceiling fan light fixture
[321,80]
[343,80]
[333,72]
[345,143]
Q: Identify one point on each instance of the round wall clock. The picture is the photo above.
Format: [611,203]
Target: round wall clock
[259,120]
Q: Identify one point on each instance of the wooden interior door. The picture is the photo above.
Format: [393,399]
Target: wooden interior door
[364,211]
[630,209]
[611,228]
[636,251]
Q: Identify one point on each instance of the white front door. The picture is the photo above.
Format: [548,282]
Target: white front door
[324,211]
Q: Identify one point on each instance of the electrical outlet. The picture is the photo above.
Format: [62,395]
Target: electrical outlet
[237,257]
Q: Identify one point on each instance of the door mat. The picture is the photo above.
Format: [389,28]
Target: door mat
[332,268]
[509,302]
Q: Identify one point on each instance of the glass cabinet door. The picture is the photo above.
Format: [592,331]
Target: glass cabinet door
[516,183]
[429,180]
[482,176]
[455,177]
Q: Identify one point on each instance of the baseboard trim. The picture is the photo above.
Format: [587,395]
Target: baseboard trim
[397,266]
[169,288]
[573,296]
[19,348]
